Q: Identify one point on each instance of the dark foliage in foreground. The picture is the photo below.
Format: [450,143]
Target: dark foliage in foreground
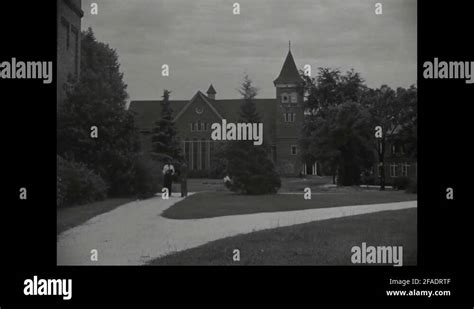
[77,184]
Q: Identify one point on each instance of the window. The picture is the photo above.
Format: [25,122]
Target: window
[285,98]
[195,155]
[203,126]
[192,126]
[294,98]
[187,151]
[204,144]
[65,25]
[290,117]
[393,170]
[211,149]
[405,168]
[274,153]
[398,148]
[199,110]
[294,150]
[75,35]
[198,126]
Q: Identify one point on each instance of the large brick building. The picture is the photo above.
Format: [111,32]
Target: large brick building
[69,15]
[282,119]
[398,163]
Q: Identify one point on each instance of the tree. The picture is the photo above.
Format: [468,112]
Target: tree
[249,166]
[321,94]
[165,143]
[395,113]
[342,140]
[329,89]
[98,99]
[408,134]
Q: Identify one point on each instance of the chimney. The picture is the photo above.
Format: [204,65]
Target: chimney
[211,92]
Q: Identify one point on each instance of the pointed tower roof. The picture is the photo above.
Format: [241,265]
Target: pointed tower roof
[211,90]
[289,73]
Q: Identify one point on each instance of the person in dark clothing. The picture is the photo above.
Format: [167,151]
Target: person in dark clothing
[168,172]
[184,180]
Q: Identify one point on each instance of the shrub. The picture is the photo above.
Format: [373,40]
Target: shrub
[401,183]
[147,177]
[77,184]
[218,168]
[412,188]
[262,184]
[198,174]
[369,180]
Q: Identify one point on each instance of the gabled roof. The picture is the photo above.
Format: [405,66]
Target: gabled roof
[230,109]
[204,98]
[211,90]
[147,112]
[289,73]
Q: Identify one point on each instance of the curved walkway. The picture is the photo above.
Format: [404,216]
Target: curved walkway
[135,233]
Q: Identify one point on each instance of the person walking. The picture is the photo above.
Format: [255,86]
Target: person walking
[168,172]
[184,179]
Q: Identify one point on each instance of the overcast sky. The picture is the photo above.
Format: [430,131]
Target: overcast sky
[203,42]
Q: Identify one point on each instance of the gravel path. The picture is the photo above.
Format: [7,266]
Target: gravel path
[135,233]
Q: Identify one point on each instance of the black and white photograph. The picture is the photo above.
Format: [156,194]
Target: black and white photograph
[237,133]
[252,152]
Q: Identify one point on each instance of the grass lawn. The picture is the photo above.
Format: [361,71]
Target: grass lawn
[288,184]
[67,218]
[216,204]
[296,184]
[326,242]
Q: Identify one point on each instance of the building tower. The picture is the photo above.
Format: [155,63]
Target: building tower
[211,92]
[288,118]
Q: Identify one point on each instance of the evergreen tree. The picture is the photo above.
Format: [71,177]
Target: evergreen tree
[99,99]
[165,143]
[248,165]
